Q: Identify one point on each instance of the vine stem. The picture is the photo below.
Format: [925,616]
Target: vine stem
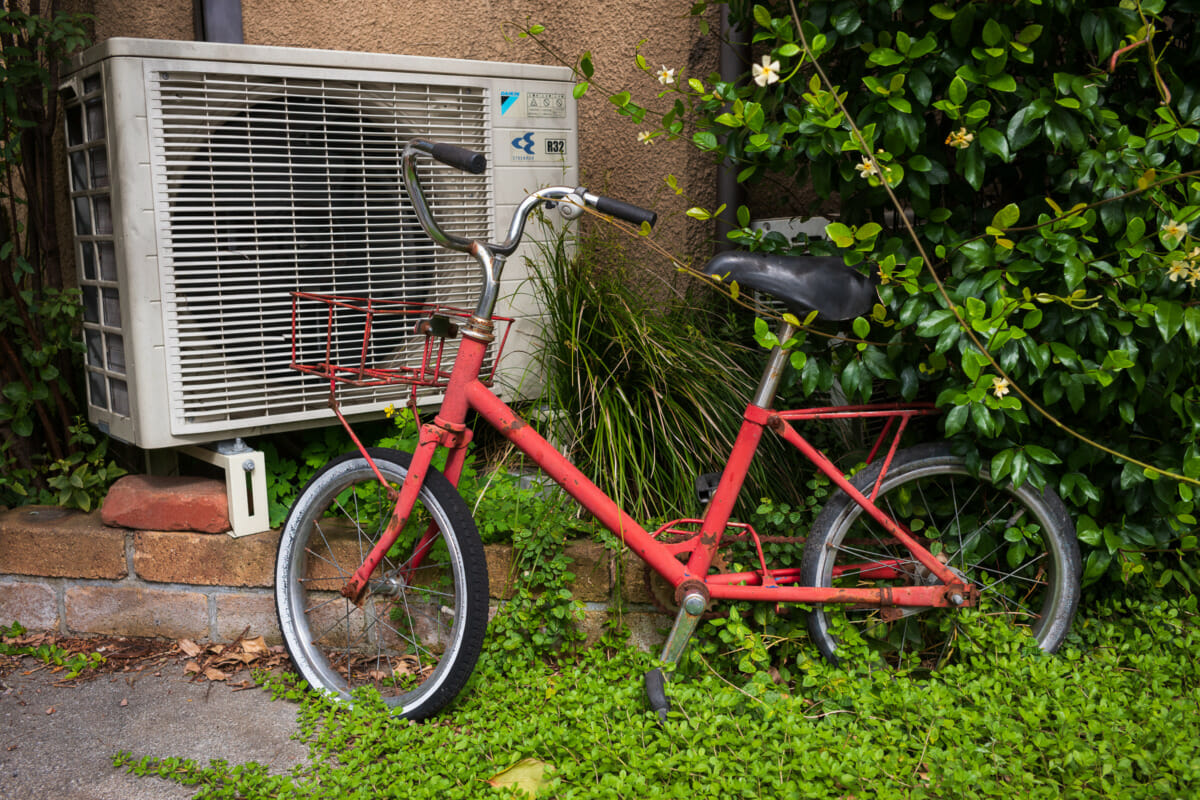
[941,287]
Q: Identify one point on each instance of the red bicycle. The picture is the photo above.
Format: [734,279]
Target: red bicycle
[381,579]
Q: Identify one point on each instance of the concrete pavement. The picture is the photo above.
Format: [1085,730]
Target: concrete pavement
[57,743]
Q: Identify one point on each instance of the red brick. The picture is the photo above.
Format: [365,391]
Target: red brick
[238,610]
[160,503]
[499,565]
[646,630]
[134,611]
[56,543]
[634,586]
[590,564]
[198,558]
[34,605]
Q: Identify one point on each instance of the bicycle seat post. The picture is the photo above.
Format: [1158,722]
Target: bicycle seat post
[776,363]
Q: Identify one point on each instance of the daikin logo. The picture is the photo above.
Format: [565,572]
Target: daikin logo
[507,101]
[524,143]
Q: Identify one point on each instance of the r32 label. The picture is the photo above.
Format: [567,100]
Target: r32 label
[556,147]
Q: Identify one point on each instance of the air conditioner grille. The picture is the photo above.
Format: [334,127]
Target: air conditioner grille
[269,185]
[91,197]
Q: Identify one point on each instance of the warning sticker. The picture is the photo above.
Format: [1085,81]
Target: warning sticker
[545,105]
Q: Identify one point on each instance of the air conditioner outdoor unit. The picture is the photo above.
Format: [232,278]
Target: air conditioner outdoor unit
[209,181]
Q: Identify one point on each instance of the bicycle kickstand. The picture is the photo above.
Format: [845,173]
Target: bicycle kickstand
[692,606]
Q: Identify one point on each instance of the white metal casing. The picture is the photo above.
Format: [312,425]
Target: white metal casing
[208,181]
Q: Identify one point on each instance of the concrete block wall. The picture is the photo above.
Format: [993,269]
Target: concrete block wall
[68,572]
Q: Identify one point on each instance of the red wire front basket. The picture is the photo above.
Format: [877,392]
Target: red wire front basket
[359,341]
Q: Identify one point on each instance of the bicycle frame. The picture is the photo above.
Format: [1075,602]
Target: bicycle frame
[465,393]
[412,619]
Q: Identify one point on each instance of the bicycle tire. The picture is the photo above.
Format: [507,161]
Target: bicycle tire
[415,638]
[1017,545]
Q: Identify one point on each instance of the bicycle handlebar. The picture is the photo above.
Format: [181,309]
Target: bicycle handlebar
[476,163]
[451,155]
[459,158]
[491,256]
[622,210]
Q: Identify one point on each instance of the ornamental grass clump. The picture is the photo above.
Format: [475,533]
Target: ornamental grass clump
[646,395]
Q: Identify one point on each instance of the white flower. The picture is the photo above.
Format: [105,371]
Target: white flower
[1000,386]
[646,137]
[1174,230]
[960,138]
[666,76]
[1179,269]
[866,169]
[767,72]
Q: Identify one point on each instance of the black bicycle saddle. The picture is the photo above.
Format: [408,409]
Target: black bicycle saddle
[804,283]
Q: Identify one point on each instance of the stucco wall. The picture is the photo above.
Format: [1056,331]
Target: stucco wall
[611,158]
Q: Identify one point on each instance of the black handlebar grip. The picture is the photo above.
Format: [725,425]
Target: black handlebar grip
[625,211]
[459,158]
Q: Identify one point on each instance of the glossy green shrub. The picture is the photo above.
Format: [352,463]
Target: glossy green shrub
[1045,152]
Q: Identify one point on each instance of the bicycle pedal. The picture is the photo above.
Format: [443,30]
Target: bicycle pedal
[706,486]
[656,694]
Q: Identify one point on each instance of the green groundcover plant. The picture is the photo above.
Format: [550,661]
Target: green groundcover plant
[1045,153]
[47,453]
[1113,715]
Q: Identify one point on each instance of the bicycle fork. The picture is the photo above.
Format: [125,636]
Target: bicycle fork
[433,435]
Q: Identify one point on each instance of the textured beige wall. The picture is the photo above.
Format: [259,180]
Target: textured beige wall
[150,19]
[611,159]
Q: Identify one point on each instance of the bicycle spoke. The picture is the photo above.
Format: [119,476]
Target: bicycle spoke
[394,640]
[967,523]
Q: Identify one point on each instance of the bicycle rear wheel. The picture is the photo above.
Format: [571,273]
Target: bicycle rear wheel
[419,629]
[1017,546]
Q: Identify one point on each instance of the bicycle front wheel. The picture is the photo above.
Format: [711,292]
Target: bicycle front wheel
[1017,546]
[419,629]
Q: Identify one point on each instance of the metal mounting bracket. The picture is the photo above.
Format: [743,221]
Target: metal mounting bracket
[245,483]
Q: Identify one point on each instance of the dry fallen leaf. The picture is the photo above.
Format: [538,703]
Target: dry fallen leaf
[50,710]
[529,775]
[124,702]
[190,648]
[191,666]
[256,647]
[215,674]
